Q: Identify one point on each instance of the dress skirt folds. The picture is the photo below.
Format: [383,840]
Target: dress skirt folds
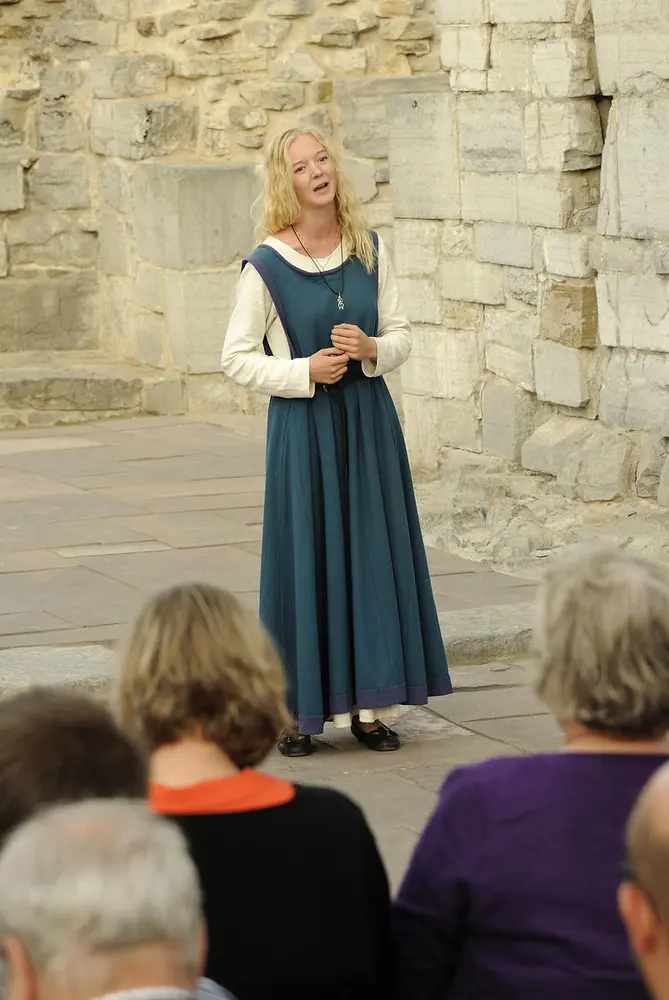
[345,588]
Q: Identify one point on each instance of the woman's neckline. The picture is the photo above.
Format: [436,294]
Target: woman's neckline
[296,256]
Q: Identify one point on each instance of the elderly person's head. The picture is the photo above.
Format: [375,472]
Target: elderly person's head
[198,665]
[643,897]
[98,897]
[603,643]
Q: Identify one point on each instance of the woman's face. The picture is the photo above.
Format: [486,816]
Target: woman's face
[314,175]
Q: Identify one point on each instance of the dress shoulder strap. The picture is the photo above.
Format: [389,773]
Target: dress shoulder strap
[261,259]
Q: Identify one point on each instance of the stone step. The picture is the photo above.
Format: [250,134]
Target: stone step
[39,389]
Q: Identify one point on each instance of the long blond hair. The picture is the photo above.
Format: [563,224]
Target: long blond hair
[281,208]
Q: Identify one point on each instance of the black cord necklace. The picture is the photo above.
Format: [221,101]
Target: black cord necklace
[338,295]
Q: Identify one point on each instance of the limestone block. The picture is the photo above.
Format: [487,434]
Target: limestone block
[150,338]
[12,198]
[299,67]
[136,130]
[469,281]
[563,135]
[78,39]
[634,169]
[59,86]
[193,215]
[339,32]
[267,34]
[567,253]
[621,255]
[652,459]
[497,243]
[600,469]
[289,8]
[421,299]
[469,81]
[422,156]
[561,373]
[463,11]
[4,258]
[344,62]
[237,65]
[59,130]
[461,315]
[565,67]
[202,301]
[632,45]
[551,444]
[489,197]
[443,363]
[634,310]
[128,76]
[522,284]
[49,239]
[491,129]
[363,113]
[362,175]
[41,312]
[433,424]
[508,338]
[511,63]
[274,96]
[635,391]
[61,181]
[457,239]
[114,184]
[663,488]
[319,119]
[416,245]
[465,47]
[150,287]
[510,416]
[245,117]
[406,29]
[533,11]
[546,199]
[568,313]
[114,242]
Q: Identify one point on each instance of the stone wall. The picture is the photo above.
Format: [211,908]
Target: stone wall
[512,151]
[538,286]
[130,133]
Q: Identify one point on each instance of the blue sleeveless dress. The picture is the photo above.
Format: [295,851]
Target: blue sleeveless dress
[345,588]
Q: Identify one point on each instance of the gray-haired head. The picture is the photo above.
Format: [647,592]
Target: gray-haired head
[602,638]
[82,885]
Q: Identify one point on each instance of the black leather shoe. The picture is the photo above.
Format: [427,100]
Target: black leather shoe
[296,746]
[382,738]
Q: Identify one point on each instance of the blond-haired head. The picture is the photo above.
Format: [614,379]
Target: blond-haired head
[603,642]
[197,663]
[281,208]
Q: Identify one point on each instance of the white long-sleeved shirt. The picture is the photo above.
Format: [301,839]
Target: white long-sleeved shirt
[255,317]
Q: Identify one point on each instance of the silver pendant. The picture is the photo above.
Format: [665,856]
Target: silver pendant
[340,301]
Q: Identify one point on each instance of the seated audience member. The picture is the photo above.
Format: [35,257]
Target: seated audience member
[60,747]
[643,897]
[99,899]
[511,893]
[57,746]
[296,896]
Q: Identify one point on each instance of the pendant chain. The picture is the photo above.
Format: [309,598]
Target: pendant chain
[339,295]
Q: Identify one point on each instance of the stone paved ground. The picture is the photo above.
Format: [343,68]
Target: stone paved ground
[94,517]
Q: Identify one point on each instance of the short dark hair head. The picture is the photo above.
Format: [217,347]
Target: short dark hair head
[58,747]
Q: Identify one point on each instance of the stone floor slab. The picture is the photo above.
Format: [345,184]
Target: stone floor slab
[533,734]
[221,565]
[468,706]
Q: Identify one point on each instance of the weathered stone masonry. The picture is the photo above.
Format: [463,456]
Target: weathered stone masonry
[131,130]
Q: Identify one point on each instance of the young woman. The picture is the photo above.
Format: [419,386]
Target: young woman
[345,587]
[296,897]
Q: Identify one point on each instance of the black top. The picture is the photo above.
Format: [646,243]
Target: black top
[296,899]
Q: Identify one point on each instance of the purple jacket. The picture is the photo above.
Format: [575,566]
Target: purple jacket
[511,893]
